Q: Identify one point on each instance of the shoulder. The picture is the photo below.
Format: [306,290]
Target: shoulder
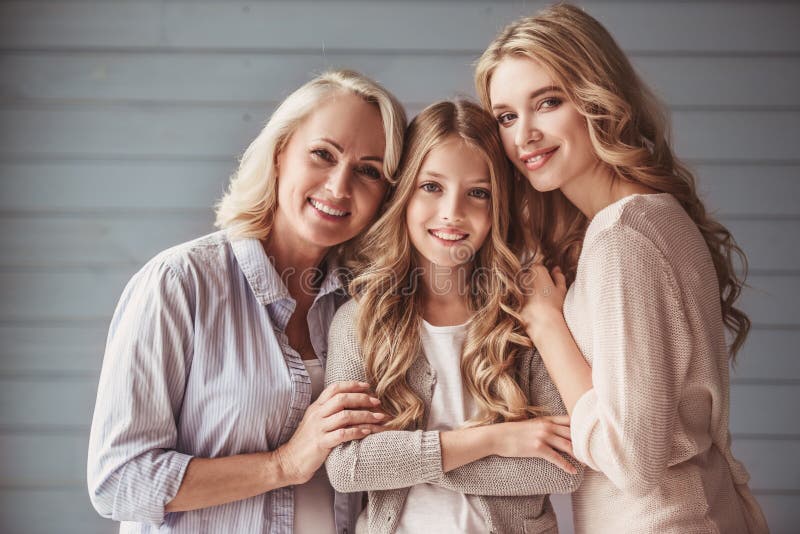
[344,326]
[209,251]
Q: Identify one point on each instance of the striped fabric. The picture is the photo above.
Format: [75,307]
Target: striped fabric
[197,364]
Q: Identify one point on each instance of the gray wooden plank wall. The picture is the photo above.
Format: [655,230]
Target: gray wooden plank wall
[121,120]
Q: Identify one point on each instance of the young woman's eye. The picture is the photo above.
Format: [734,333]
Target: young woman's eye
[430,187]
[482,194]
[322,154]
[550,103]
[370,172]
[505,118]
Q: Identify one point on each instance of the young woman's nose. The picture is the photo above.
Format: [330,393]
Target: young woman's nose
[527,133]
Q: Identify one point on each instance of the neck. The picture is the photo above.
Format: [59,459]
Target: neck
[445,294]
[599,188]
[298,267]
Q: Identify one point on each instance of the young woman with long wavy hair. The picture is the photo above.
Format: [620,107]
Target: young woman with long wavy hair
[637,344]
[476,434]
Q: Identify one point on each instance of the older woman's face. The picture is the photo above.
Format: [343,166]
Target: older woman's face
[330,174]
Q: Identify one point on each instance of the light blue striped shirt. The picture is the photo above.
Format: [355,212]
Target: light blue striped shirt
[197,364]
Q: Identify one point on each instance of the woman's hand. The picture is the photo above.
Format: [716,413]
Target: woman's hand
[540,437]
[544,299]
[344,411]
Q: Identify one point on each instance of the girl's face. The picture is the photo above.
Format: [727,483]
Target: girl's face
[448,215]
[330,174]
[543,134]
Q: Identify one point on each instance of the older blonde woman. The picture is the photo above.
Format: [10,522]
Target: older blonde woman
[206,418]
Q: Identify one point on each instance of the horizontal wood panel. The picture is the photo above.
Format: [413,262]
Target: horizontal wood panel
[26,402]
[103,241]
[67,185]
[36,348]
[437,25]
[769,355]
[44,511]
[31,294]
[774,465]
[149,130]
[132,240]
[246,77]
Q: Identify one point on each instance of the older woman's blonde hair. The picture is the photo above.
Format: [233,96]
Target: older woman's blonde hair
[629,131]
[390,306]
[248,207]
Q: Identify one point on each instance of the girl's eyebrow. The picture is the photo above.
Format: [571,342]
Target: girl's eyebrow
[538,92]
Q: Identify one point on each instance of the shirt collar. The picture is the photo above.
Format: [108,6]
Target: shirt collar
[264,280]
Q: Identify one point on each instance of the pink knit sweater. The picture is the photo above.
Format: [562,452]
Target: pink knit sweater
[645,312]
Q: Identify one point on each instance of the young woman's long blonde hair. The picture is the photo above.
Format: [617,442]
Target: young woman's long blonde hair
[629,131]
[248,207]
[390,307]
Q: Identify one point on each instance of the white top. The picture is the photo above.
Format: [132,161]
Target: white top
[430,508]
[313,501]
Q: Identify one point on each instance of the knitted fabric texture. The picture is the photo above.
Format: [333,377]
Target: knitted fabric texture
[645,312]
[513,491]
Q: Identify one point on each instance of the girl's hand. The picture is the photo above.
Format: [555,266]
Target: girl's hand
[344,411]
[540,437]
[544,298]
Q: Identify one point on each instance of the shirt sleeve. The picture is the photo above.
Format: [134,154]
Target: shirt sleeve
[133,470]
[641,346]
[501,476]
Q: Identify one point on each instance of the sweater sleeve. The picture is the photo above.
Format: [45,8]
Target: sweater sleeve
[640,346]
[133,467]
[501,476]
[383,461]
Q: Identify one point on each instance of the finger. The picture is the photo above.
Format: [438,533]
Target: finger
[559,461]
[558,419]
[542,278]
[348,401]
[340,435]
[345,418]
[561,431]
[561,444]
[341,387]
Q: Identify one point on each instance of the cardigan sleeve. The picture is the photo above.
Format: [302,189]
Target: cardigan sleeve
[502,476]
[641,345]
[387,460]
[133,470]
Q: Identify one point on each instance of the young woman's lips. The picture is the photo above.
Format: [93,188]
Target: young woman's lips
[536,162]
[448,238]
[326,211]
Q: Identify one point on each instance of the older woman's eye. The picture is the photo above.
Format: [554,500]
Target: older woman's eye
[323,154]
[370,172]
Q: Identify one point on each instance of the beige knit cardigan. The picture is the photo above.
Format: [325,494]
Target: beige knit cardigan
[512,491]
[645,312]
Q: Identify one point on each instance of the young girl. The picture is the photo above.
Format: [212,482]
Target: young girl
[433,329]
[654,287]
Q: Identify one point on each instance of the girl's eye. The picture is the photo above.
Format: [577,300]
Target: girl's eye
[505,118]
[323,154]
[481,194]
[550,103]
[430,187]
[370,172]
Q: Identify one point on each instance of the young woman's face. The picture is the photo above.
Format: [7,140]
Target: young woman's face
[330,173]
[543,134]
[448,215]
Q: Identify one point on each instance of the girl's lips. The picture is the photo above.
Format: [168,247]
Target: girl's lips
[536,161]
[447,242]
